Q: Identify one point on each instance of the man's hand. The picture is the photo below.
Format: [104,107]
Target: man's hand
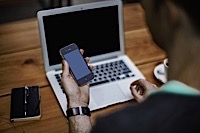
[76,96]
[140,87]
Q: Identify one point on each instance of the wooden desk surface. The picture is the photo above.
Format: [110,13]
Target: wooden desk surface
[21,63]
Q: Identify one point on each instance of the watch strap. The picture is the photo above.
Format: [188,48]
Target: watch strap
[78,111]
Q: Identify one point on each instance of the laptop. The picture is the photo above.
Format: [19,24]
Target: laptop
[98,29]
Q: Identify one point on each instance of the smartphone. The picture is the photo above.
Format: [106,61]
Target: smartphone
[78,66]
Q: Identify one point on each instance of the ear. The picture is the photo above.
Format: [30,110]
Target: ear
[175,13]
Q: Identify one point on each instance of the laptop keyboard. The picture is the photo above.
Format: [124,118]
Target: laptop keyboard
[107,72]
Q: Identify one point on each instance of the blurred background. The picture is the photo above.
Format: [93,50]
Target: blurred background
[13,10]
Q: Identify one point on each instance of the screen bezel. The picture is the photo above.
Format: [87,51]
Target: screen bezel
[86,78]
[42,13]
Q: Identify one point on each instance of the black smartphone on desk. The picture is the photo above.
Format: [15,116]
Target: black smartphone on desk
[78,66]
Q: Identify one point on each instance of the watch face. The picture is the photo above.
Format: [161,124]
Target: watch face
[78,111]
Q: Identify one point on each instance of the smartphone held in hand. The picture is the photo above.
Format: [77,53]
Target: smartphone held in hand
[78,66]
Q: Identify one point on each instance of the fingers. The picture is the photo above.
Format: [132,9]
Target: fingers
[87,59]
[91,67]
[141,82]
[137,94]
[140,87]
[146,85]
[82,51]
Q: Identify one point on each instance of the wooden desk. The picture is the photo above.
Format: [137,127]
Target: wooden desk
[21,64]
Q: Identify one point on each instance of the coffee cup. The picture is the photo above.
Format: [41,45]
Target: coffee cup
[166,66]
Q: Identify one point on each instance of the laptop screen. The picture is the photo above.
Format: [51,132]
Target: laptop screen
[94,30]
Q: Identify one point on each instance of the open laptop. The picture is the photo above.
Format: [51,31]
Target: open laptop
[98,29]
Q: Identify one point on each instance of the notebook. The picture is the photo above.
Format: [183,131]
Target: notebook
[98,29]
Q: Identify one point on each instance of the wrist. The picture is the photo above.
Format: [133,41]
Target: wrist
[72,104]
[77,111]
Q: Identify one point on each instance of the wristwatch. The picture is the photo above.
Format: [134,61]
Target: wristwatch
[78,111]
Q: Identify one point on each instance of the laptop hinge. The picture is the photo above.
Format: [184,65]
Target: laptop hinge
[97,60]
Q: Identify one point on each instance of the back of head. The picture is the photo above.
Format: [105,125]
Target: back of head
[168,18]
[192,10]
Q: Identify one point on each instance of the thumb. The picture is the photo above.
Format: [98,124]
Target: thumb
[136,94]
[65,68]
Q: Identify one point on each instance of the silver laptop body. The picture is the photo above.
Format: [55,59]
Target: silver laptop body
[98,29]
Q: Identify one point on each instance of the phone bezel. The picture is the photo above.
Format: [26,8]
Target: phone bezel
[82,81]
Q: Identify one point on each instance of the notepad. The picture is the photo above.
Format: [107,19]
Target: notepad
[25,104]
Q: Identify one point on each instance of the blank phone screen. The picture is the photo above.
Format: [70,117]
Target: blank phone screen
[77,64]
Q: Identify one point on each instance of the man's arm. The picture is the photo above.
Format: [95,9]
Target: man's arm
[140,87]
[79,124]
[77,97]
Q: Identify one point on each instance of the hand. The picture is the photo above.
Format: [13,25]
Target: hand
[76,96]
[140,87]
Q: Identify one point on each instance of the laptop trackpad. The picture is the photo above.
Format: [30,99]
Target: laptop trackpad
[107,95]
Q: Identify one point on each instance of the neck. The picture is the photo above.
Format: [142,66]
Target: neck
[184,61]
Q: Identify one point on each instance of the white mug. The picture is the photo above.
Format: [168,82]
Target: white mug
[166,66]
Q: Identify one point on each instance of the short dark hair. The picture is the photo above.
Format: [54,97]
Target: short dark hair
[192,9]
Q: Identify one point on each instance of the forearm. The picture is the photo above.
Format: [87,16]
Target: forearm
[80,124]
[78,112]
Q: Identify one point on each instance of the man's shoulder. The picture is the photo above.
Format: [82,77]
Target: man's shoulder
[157,108]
